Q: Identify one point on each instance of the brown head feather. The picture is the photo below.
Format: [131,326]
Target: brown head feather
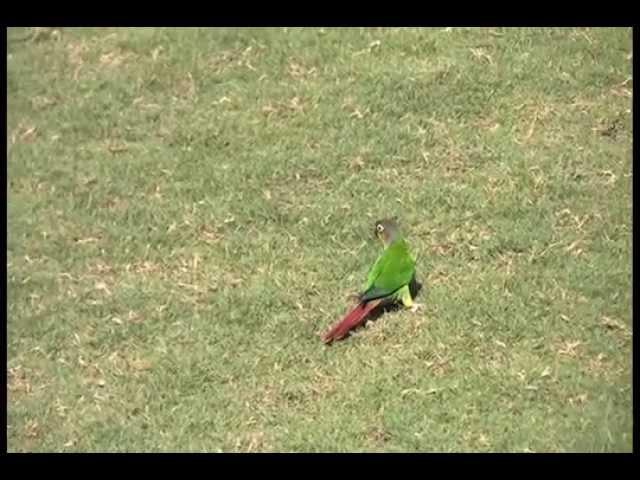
[387,230]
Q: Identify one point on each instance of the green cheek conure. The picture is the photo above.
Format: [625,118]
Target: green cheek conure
[387,282]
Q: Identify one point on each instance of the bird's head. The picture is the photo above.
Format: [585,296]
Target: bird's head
[387,231]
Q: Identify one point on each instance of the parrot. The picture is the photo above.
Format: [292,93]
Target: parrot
[388,280]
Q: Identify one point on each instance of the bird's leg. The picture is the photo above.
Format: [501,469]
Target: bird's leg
[407,301]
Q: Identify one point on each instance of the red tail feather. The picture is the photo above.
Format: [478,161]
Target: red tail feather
[354,318]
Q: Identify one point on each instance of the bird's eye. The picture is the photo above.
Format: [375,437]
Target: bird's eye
[380,228]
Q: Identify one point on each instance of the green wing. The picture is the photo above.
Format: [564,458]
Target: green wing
[393,269]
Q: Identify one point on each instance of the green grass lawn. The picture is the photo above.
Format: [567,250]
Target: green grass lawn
[189,209]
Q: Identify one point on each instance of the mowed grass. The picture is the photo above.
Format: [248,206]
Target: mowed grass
[188,210]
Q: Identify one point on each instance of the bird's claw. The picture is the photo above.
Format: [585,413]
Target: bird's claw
[355,297]
[415,307]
